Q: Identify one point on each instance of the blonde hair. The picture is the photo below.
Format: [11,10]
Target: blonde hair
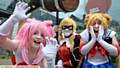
[68,21]
[104,18]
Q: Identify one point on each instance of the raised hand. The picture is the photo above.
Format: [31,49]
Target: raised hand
[19,14]
[91,30]
[100,33]
[20,10]
[51,47]
[50,51]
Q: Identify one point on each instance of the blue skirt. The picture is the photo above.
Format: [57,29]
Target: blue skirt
[89,65]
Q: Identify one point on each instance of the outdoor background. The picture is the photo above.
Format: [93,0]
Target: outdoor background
[7,6]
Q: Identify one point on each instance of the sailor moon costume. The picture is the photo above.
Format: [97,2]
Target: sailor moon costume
[98,56]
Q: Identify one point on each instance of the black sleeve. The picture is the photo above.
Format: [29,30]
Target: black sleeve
[76,57]
[57,58]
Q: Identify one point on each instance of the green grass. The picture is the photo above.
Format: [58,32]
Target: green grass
[5,60]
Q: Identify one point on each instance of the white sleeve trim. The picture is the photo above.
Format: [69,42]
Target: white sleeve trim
[84,35]
[112,34]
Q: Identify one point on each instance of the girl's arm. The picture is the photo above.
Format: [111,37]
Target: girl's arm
[44,63]
[18,14]
[7,43]
[111,48]
[86,47]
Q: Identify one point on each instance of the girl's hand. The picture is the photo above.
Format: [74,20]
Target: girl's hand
[20,10]
[50,49]
[100,33]
[91,30]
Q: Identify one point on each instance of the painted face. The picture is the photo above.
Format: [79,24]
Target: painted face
[67,30]
[37,38]
[96,25]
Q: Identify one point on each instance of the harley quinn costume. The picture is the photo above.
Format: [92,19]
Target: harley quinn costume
[69,44]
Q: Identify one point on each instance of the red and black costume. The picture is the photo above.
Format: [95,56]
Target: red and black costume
[70,58]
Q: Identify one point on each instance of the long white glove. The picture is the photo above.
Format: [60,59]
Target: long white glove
[87,47]
[100,32]
[50,51]
[91,30]
[109,47]
[19,13]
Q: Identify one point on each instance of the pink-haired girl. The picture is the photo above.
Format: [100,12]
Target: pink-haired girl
[28,43]
[30,40]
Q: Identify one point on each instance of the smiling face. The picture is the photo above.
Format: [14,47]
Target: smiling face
[67,30]
[37,38]
[67,27]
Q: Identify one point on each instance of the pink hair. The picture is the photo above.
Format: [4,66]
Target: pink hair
[31,25]
[48,29]
[27,30]
[25,34]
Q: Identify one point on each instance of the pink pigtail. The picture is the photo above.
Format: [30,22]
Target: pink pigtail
[26,31]
[48,29]
[25,34]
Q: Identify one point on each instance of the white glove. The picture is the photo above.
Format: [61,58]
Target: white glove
[20,11]
[92,33]
[59,64]
[18,14]
[88,46]
[50,51]
[111,49]
[100,33]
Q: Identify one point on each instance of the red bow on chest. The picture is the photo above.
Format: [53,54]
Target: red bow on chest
[96,47]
